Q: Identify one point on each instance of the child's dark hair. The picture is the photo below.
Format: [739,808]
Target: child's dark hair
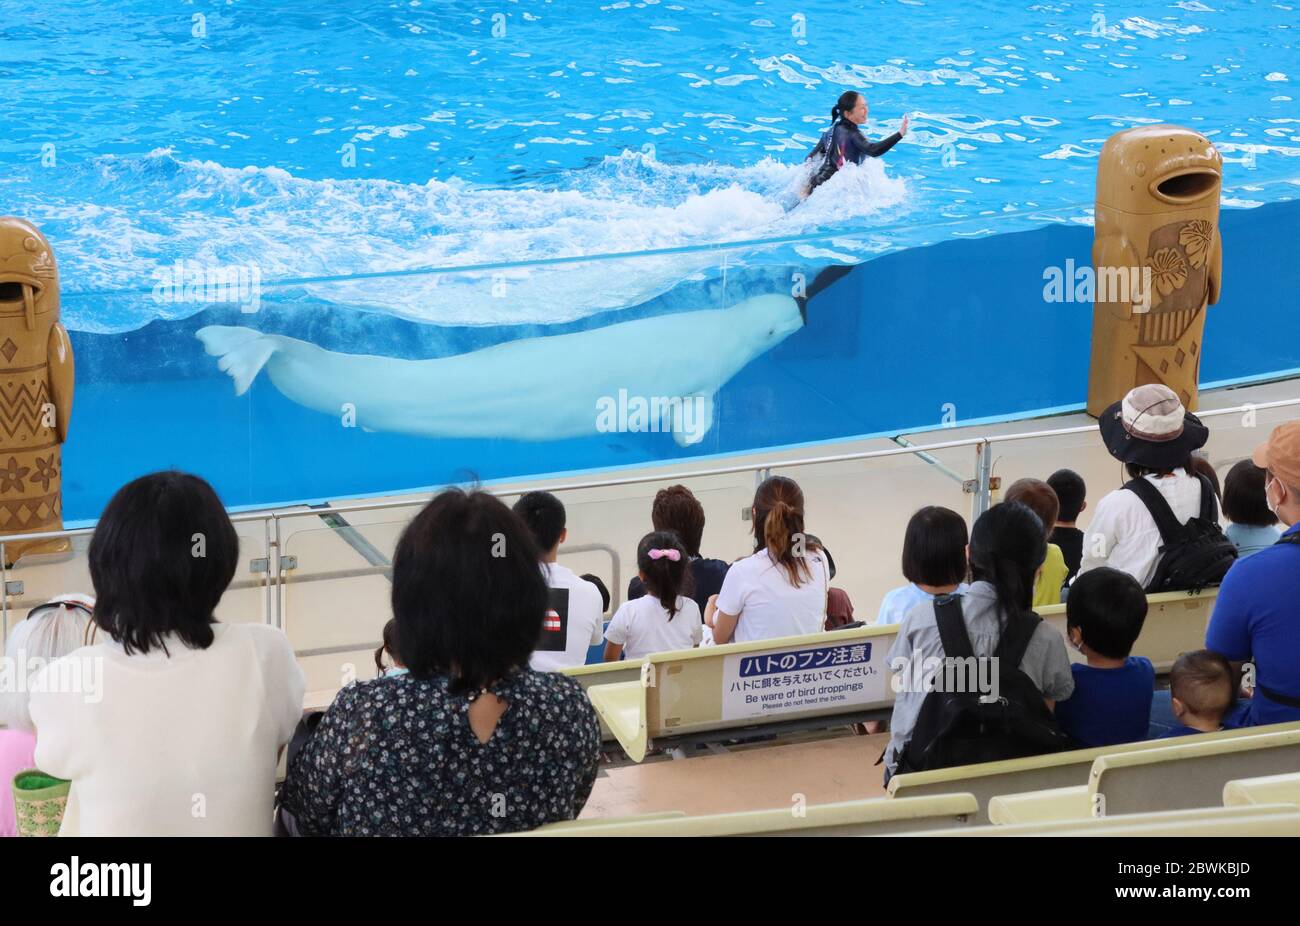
[1109,607]
[600,587]
[665,577]
[545,516]
[934,547]
[389,646]
[1071,491]
[1203,681]
[1007,545]
[1244,501]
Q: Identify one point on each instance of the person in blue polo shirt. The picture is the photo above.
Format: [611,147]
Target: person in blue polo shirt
[1257,616]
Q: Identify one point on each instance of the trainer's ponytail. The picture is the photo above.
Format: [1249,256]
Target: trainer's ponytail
[1007,546]
[848,99]
[779,527]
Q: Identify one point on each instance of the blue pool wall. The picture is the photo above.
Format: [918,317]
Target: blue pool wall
[959,327]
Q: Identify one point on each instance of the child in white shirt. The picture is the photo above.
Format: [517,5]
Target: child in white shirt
[663,619]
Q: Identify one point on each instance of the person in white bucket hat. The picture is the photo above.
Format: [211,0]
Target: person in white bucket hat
[1151,433]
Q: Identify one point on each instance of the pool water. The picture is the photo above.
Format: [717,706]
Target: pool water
[342,149]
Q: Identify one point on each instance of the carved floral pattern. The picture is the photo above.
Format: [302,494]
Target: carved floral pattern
[1195,237]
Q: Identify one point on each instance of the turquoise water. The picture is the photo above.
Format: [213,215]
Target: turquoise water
[585,128]
[339,149]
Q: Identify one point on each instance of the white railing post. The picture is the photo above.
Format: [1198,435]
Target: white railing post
[983,494]
[279,570]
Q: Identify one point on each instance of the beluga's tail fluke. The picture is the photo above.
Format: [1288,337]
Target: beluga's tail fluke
[241,352]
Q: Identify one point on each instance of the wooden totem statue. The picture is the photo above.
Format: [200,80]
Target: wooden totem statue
[35,389]
[1158,261]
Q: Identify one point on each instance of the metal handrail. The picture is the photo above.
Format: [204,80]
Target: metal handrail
[271,519]
[677,476]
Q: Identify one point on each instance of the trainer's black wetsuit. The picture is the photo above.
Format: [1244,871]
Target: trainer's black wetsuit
[843,143]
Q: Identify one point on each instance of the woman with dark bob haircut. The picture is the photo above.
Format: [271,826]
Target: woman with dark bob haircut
[469,740]
[180,730]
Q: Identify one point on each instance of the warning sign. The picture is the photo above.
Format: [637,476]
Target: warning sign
[800,680]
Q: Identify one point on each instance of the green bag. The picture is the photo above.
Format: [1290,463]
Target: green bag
[39,801]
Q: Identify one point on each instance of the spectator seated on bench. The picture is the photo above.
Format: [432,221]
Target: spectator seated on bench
[1113,689]
[934,562]
[1202,689]
[469,740]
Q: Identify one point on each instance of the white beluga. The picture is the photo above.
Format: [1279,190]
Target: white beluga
[655,374]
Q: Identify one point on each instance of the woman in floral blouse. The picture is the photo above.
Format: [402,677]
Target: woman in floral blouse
[469,740]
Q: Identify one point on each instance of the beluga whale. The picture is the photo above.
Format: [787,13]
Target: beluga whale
[659,373]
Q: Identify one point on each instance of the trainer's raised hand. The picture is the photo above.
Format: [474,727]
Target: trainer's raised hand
[903,128]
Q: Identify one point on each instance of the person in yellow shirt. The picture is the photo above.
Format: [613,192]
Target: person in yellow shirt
[1041,498]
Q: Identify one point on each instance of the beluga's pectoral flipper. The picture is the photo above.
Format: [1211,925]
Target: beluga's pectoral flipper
[690,419]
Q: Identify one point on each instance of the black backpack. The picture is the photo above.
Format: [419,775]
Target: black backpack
[1192,555]
[958,728]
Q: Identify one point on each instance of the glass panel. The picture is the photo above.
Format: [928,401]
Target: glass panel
[859,510]
[395,380]
[337,599]
[42,576]
[247,598]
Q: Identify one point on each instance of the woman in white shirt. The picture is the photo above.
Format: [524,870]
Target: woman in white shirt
[1154,436]
[663,619]
[169,723]
[781,589]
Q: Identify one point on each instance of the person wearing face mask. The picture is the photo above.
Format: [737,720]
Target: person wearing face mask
[843,143]
[1257,615]
[1112,688]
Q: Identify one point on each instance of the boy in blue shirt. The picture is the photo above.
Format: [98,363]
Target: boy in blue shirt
[1112,690]
[1202,687]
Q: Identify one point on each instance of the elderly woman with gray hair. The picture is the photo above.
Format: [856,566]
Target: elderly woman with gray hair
[51,631]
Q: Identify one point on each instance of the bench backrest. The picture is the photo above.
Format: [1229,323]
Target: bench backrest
[1187,774]
[876,816]
[1258,820]
[742,685]
[1040,773]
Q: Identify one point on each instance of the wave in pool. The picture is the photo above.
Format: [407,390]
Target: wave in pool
[123,222]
